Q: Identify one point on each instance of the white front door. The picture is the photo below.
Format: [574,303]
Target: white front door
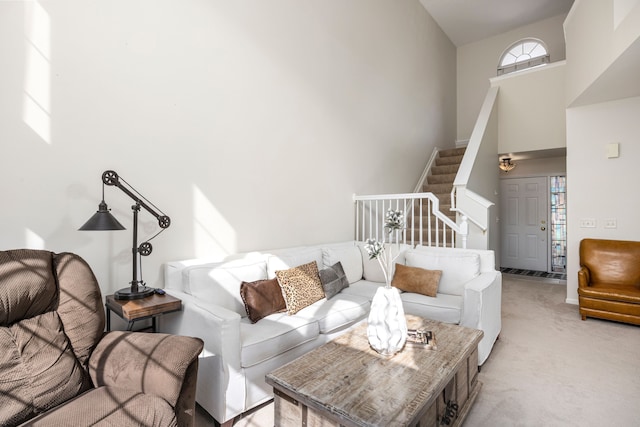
[524,218]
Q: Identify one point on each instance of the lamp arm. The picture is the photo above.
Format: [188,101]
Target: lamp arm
[111,178]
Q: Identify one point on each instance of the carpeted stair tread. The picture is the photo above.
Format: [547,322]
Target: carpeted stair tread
[449,160]
[443,178]
[444,170]
[452,152]
[437,188]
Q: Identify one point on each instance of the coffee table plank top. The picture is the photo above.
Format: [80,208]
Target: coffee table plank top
[348,379]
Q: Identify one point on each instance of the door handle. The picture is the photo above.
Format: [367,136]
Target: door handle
[543,228]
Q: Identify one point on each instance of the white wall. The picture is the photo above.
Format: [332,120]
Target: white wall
[250,124]
[478,62]
[602,64]
[531,109]
[600,34]
[599,187]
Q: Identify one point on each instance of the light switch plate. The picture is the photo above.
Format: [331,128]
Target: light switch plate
[588,223]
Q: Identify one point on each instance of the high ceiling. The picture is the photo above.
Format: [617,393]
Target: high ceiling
[466,21]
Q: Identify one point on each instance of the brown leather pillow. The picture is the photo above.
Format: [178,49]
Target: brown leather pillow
[262,298]
[416,279]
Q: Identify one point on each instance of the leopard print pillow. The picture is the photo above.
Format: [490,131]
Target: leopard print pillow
[301,286]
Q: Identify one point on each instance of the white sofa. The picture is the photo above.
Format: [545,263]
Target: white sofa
[238,354]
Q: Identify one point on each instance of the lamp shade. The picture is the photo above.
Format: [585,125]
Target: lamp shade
[102,220]
[506,165]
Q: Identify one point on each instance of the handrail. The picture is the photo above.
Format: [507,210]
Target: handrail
[369,219]
[427,169]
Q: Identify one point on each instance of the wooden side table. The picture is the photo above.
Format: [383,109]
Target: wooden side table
[141,309]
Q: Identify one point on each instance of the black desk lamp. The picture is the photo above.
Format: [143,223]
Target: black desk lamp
[103,220]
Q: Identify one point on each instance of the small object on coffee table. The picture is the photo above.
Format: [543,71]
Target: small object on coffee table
[421,338]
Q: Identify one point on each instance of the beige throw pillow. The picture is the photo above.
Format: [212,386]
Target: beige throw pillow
[301,286]
[417,280]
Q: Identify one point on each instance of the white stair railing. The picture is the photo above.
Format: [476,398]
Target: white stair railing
[426,225]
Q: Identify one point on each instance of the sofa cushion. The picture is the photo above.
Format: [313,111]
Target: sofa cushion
[301,286]
[487,257]
[80,307]
[333,280]
[274,335]
[458,267]
[262,298]
[39,368]
[372,270]
[349,256]
[219,283]
[416,279]
[28,284]
[445,308]
[611,292]
[111,406]
[363,288]
[287,258]
[338,312]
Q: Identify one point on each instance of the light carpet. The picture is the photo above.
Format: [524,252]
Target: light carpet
[548,368]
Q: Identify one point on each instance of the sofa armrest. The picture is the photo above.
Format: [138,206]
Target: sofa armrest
[150,363]
[220,376]
[218,327]
[584,277]
[482,309]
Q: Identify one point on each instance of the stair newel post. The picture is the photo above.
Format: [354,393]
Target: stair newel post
[464,230]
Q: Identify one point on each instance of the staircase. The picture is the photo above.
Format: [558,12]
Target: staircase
[440,183]
[440,179]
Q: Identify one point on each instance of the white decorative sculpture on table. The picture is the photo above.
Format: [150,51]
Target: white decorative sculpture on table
[387,328]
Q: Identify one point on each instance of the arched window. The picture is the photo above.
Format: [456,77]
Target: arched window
[525,53]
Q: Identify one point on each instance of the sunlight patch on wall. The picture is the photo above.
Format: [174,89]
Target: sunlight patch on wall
[36,107]
[33,240]
[621,9]
[212,234]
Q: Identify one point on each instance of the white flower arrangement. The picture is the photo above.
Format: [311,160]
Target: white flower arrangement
[394,221]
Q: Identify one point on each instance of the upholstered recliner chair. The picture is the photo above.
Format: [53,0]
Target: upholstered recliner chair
[58,367]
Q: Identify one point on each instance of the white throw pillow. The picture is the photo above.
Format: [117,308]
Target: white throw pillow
[350,258]
[372,271]
[457,268]
[220,283]
[289,258]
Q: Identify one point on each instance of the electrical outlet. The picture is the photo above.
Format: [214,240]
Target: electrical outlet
[588,223]
[610,223]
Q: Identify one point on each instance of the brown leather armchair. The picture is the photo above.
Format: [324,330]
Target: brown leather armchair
[58,367]
[609,280]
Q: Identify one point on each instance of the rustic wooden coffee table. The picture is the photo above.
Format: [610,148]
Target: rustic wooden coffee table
[346,383]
